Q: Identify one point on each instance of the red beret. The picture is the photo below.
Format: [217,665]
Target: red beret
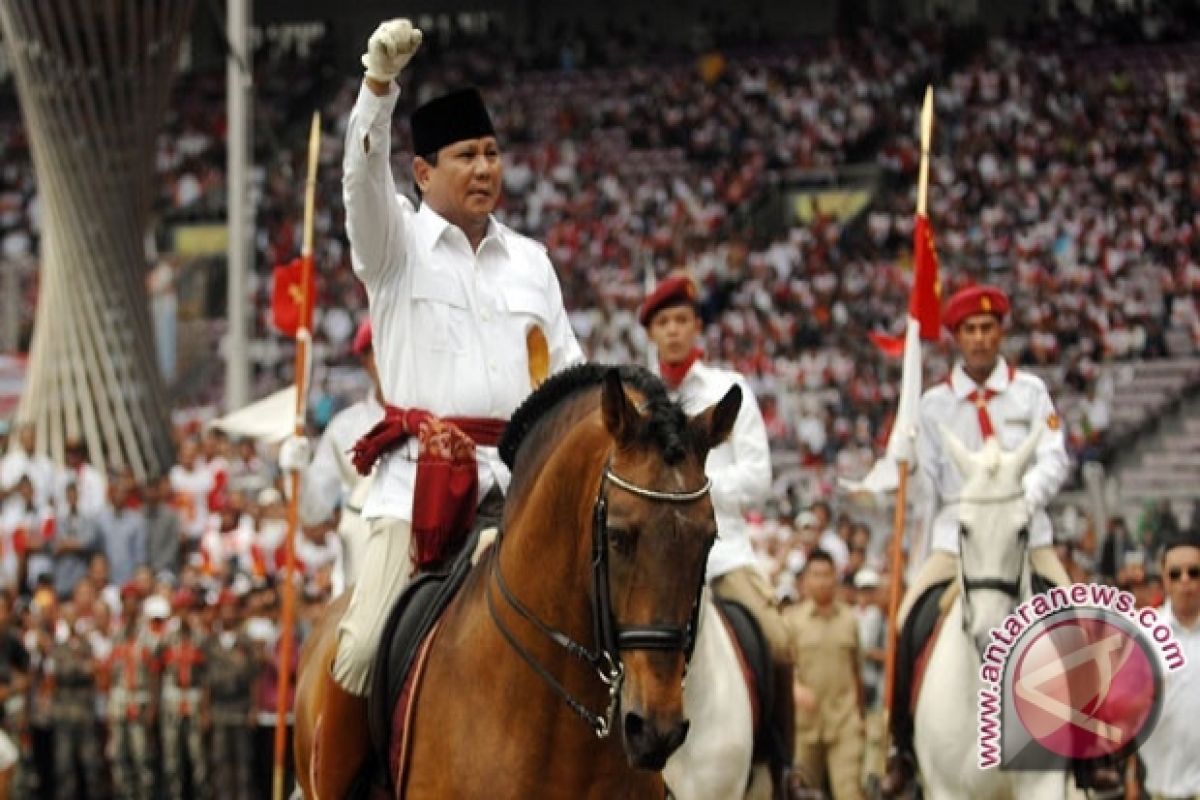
[974,300]
[673,291]
[183,600]
[362,339]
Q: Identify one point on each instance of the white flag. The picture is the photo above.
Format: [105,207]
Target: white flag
[901,446]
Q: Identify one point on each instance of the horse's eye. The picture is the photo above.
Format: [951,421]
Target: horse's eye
[624,541]
[1023,534]
[962,531]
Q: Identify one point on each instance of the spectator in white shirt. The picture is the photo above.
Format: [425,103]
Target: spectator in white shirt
[21,521]
[192,483]
[1172,770]
[821,518]
[90,481]
[22,459]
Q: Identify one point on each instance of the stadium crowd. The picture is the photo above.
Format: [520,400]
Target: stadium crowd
[1063,170]
[630,168]
[630,171]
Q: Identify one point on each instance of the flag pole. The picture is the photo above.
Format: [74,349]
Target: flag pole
[898,519]
[303,356]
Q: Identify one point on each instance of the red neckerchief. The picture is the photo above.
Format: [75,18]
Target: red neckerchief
[673,374]
[980,396]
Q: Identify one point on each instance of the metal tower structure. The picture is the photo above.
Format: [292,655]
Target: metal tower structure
[93,80]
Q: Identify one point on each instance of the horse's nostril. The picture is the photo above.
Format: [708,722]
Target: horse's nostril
[634,725]
[678,736]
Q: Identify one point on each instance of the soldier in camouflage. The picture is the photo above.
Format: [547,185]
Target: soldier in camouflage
[185,702]
[73,712]
[229,677]
[133,697]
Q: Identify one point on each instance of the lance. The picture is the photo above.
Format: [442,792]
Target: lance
[302,369]
[902,464]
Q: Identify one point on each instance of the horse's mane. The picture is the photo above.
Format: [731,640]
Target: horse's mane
[665,425]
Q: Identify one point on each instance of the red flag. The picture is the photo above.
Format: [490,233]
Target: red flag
[890,346]
[926,301]
[288,296]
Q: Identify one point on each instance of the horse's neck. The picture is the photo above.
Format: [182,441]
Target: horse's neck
[545,551]
[544,557]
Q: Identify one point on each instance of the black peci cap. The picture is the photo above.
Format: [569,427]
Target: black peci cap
[448,119]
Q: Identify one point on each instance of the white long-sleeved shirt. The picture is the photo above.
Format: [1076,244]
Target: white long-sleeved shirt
[330,477]
[449,323]
[1021,405]
[1172,769]
[89,481]
[38,468]
[740,467]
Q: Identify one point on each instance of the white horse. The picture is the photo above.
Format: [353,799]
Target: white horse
[714,761]
[994,577]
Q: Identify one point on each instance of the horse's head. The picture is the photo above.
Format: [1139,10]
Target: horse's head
[654,527]
[993,531]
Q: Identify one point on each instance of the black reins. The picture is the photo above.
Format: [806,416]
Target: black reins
[610,636]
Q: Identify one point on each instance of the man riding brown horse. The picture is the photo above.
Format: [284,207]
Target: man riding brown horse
[456,298]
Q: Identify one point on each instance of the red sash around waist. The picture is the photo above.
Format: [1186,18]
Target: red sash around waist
[446,492]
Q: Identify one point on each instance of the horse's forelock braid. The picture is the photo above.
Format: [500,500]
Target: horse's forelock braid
[665,427]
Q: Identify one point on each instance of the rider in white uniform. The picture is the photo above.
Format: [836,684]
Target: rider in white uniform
[328,481]
[982,396]
[456,297]
[740,470]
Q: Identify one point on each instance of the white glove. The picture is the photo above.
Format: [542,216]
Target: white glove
[1031,508]
[903,446]
[295,453]
[390,48]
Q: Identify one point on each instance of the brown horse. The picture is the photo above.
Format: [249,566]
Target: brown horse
[579,621]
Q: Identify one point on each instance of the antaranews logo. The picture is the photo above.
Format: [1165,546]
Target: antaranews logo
[1073,674]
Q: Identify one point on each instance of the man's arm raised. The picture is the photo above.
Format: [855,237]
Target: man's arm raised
[374,217]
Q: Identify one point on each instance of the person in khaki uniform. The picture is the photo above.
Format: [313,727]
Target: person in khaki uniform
[830,736]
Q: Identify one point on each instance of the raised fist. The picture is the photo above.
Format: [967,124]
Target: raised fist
[390,48]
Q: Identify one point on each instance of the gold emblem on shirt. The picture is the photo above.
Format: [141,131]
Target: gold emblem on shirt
[1052,421]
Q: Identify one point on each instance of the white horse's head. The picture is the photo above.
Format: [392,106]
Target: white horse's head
[993,533]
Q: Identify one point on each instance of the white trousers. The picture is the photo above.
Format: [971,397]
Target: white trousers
[384,571]
[943,566]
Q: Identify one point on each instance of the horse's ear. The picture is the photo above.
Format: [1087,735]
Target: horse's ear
[959,454]
[715,423]
[1025,452]
[620,415]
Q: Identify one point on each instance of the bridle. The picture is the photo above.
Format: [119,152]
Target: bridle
[610,636]
[1010,587]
